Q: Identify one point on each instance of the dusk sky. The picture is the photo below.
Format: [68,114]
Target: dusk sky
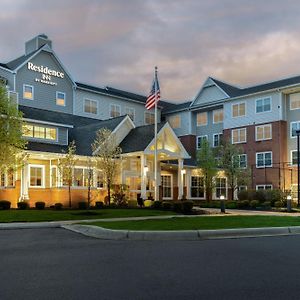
[117,43]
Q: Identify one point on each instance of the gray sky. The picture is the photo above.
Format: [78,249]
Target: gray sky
[118,42]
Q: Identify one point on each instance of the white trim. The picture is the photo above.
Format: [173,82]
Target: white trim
[264,153]
[239,156]
[264,186]
[65,98]
[263,98]
[91,100]
[239,103]
[220,133]
[43,175]
[110,110]
[239,129]
[56,175]
[226,187]
[170,175]
[291,157]
[190,188]
[6,69]
[290,101]
[32,87]
[263,126]
[214,112]
[291,129]
[47,123]
[200,136]
[200,125]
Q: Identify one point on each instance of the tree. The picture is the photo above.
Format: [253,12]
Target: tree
[106,150]
[206,159]
[232,165]
[11,141]
[90,179]
[66,168]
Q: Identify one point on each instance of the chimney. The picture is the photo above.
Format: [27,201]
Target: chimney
[36,43]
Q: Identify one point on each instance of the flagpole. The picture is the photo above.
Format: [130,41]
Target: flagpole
[156,196]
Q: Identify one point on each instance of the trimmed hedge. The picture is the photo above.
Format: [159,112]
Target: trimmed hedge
[58,206]
[157,205]
[40,205]
[99,204]
[4,204]
[23,205]
[82,205]
[167,205]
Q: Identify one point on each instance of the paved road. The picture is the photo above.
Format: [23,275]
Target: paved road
[58,264]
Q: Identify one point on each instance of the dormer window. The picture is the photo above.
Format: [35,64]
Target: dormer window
[40,132]
[115,110]
[60,99]
[28,92]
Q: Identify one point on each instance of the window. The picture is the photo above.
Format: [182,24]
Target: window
[28,91]
[115,110]
[100,180]
[78,177]
[242,160]
[53,176]
[166,182]
[60,99]
[218,116]
[263,159]
[294,127]
[263,132]
[202,119]
[220,187]
[37,175]
[295,101]
[40,132]
[175,121]
[263,105]
[7,179]
[264,187]
[239,135]
[134,165]
[200,140]
[242,188]
[217,138]
[130,112]
[238,110]
[90,106]
[197,187]
[88,177]
[149,118]
[294,157]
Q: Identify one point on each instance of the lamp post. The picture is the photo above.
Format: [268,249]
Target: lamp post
[289,203]
[298,165]
[222,198]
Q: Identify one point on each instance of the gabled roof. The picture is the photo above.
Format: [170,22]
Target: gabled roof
[230,90]
[139,138]
[176,107]
[13,64]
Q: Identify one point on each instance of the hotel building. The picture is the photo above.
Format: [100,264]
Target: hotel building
[262,119]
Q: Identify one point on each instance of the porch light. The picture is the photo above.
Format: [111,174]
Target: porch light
[146,169]
[183,172]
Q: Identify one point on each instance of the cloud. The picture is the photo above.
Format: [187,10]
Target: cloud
[118,43]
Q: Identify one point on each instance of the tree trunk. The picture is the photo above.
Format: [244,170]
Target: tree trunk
[70,200]
[108,191]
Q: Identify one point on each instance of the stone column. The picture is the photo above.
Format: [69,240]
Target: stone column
[180,179]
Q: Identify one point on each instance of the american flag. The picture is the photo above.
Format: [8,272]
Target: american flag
[150,103]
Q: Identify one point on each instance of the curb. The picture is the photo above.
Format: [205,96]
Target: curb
[186,235]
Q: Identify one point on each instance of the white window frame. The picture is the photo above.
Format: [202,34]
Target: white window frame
[168,198]
[291,102]
[43,176]
[64,98]
[221,133]
[204,112]
[263,126]
[200,136]
[264,186]
[264,153]
[214,112]
[291,156]
[24,85]
[204,195]
[239,156]
[148,112]
[226,187]
[130,108]
[239,103]
[56,173]
[264,98]
[91,100]
[110,109]
[239,129]
[6,186]
[291,129]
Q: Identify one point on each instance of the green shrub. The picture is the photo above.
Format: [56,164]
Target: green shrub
[260,195]
[58,206]
[254,203]
[40,205]
[243,204]
[23,205]
[177,206]
[4,204]
[187,206]
[278,204]
[82,205]
[166,205]
[157,205]
[243,195]
[275,196]
[266,205]
[231,204]
[99,204]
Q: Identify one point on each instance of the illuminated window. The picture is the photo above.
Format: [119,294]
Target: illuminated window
[263,132]
[100,180]
[202,119]
[90,106]
[7,179]
[218,116]
[238,110]
[175,121]
[197,187]
[28,91]
[115,110]
[130,112]
[149,118]
[78,177]
[39,132]
[88,175]
[37,175]
[239,135]
[60,99]
[220,187]
[166,182]
[295,101]
[263,105]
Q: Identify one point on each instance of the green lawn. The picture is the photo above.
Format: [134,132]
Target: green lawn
[204,222]
[14,215]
